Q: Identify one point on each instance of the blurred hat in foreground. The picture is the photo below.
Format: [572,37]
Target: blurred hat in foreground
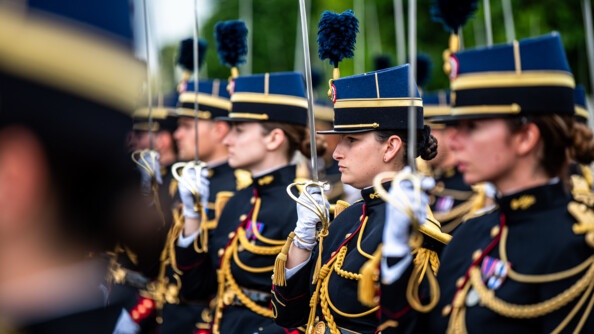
[213,100]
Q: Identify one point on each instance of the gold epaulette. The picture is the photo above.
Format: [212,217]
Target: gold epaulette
[243,178]
[587,172]
[339,207]
[580,188]
[584,215]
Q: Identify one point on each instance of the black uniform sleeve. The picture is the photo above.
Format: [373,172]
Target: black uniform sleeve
[198,279]
[290,303]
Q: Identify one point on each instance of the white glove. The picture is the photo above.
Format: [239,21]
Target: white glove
[148,165]
[397,226]
[307,220]
[190,186]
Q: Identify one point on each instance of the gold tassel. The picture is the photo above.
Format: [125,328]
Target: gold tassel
[278,277]
[369,277]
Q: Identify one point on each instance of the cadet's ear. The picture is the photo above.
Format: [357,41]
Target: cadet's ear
[221,129]
[275,139]
[527,139]
[24,178]
[392,147]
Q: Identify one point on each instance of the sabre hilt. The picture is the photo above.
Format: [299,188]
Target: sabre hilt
[320,210]
[197,166]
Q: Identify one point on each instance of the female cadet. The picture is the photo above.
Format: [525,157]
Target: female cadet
[527,267]
[268,115]
[371,112]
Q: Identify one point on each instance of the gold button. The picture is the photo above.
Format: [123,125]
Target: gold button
[333,253]
[221,252]
[446,310]
[347,235]
[459,282]
[252,200]
[231,235]
[477,254]
[242,217]
[240,248]
[495,231]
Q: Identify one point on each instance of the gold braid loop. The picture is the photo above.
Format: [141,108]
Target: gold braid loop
[509,310]
[539,278]
[424,258]
[228,284]
[338,266]
[174,232]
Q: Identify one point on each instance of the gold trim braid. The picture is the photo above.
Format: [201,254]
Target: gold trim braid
[377,103]
[513,79]
[59,54]
[269,99]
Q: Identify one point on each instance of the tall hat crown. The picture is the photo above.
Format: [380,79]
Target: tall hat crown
[213,99]
[276,97]
[377,100]
[529,77]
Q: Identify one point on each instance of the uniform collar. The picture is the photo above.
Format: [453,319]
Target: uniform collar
[535,199]
[222,168]
[371,197]
[284,175]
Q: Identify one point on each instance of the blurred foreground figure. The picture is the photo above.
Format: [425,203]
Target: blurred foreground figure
[65,176]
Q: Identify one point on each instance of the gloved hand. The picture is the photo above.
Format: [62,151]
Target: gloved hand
[192,184]
[147,162]
[397,225]
[307,220]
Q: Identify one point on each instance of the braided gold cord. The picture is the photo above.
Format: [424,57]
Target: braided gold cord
[574,311]
[585,316]
[338,266]
[456,324]
[226,281]
[509,310]
[539,278]
[424,258]
[328,302]
[315,297]
[169,250]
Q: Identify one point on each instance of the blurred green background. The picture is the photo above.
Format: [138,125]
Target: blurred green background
[275,28]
